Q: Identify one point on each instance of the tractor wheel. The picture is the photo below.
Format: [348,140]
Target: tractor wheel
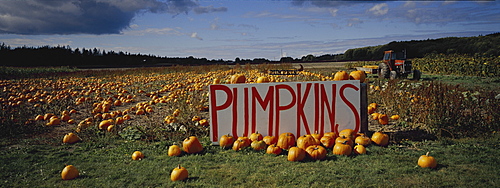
[416,75]
[393,75]
[383,70]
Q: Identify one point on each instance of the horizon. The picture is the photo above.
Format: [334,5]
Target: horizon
[245,29]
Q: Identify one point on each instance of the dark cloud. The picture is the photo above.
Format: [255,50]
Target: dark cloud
[36,17]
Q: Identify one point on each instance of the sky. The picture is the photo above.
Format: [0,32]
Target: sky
[247,29]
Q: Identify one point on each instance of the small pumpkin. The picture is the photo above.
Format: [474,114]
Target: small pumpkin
[71,138]
[69,172]
[358,75]
[341,75]
[375,116]
[179,173]
[343,139]
[395,117]
[371,110]
[296,154]
[137,155]
[273,149]
[258,145]
[317,135]
[174,150]
[192,145]
[380,138]
[359,149]
[226,141]
[342,149]
[286,140]
[383,119]
[316,152]
[427,161]
[240,143]
[256,136]
[270,140]
[363,140]
[348,133]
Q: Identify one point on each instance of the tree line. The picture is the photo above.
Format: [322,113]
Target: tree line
[487,45]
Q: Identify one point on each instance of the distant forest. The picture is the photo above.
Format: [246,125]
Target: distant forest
[488,45]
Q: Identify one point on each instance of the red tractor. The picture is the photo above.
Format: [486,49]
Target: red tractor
[394,65]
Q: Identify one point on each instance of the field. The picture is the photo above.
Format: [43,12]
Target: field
[455,118]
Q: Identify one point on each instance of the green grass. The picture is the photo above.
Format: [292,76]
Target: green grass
[107,162]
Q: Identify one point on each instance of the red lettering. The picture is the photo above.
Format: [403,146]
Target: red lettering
[285,107]
[235,112]
[330,108]
[264,103]
[350,105]
[245,111]
[214,108]
[301,101]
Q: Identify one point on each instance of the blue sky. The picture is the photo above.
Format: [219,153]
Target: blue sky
[226,29]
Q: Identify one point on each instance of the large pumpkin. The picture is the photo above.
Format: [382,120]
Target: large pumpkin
[348,133]
[238,78]
[192,145]
[306,141]
[270,140]
[316,152]
[71,138]
[226,141]
[343,139]
[256,136]
[380,138]
[240,143]
[286,140]
[342,149]
[341,75]
[327,141]
[358,75]
[296,154]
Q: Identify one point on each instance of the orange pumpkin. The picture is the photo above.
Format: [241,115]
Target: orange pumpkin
[270,140]
[348,133]
[363,140]
[240,143]
[258,145]
[306,141]
[358,75]
[179,173]
[256,136]
[262,79]
[273,149]
[192,145]
[71,138]
[426,161]
[296,154]
[137,155]
[341,75]
[327,141]
[237,78]
[359,149]
[286,140]
[174,150]
[380,138]
[226,141]
[316,152]
[383,119]
[342,149]
[69,172]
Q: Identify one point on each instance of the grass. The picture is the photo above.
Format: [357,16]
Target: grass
[107,163]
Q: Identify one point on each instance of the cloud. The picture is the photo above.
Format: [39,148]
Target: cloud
[37,17]
[379,9]
[195,35]
[354,21]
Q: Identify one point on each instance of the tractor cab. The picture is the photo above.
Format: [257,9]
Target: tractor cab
[395,65]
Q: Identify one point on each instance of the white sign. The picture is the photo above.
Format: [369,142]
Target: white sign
[274,108]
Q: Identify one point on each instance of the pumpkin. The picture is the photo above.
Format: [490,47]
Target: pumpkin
[363,140]
[216,81]
[426,161]
[343,139]
[203,122]
[258,145]
[380,138]
[174,150]
[103,125]
[196,118]
[374,105]
[273,149]
[270,140]
[71,138]
[226,141]
[327,141]
[286,140]
[306,141]
[359,149]
[317,135]
[383,119]
[256,136]
[395,117]
[331,134]
[316,152]
[371,110]
[348,133]
[296,154]
[240,143]
[192,145]
[358,75]
[341,75]
[69,172]
[54,121]
[262,79]
[237,78]
[137,155]
[39,118]
[179,173]
[375,116]
[342,149]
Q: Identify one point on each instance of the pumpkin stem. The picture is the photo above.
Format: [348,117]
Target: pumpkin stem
[427,154]
[345,142]
[179,166]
